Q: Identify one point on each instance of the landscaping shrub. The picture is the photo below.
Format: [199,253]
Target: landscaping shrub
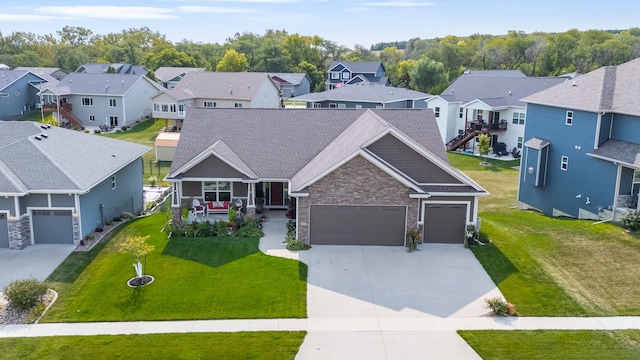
[25,294]
[35,313]
[631,220]
[250,229]
[296,245]
[126,215]
[497,305]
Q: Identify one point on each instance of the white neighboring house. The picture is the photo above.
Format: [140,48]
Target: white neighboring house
[215,90]
[100,99]
[486,102]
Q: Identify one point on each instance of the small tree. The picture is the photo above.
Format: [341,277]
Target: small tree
[483,147]
[137,247]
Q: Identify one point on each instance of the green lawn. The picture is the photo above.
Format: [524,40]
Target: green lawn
[195,278]
[240,345]
[145,133]
[549,266]
[554,345]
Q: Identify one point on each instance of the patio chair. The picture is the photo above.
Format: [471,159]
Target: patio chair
[196,208]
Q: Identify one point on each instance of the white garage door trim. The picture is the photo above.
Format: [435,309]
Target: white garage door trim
[4,217]
[425,203]
[30,211]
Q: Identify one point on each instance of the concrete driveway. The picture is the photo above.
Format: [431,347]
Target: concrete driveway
[376,302]
[34,261]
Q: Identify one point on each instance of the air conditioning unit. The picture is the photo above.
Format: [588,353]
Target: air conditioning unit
[38,105]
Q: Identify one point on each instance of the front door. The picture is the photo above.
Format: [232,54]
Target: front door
[276,194]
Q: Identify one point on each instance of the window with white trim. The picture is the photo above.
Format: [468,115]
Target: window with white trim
[335,75]
[332,105]
[461,113]
[165,107]
[209,104]
[342,106]
[87,101]
[569,119]
[479,114]
[520,142]
[437,111]
[237,105]
[346,75]
[92,118]
[358,106]
[172,107]
[518,118]
[113,182]
[216,190]
[4,94]
[112,102]
[156,107]
[113,120]
[564,163]
[317,105]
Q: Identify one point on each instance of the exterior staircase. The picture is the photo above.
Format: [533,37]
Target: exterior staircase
[65,112]
[462,139]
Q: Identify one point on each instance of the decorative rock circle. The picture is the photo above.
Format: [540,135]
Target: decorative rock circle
[140,281]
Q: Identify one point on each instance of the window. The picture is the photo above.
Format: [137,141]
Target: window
[165,107]
[156,107]
[92,118]
[332,106]
[342,106]
[437,111]
[518,118]
[461,114]
[317,105]
[335,75]
[87,101]
[358,106]
[172,107]
[4,94]
[479,114]
[569,120]
[346,75]
[112,103]
[113,182]
[217,190]
[519,142]
[209,104]
[460,131]
[113,121]
[237,105]
[564,163]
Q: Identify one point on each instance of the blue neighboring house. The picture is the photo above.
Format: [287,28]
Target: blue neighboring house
[581,155]
[57,185]
[19,92]
[353,72]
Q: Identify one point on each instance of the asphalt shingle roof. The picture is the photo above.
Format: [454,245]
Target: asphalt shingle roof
[359,67]
[489,88]
[64,160]
[609,88]
[169,73]
[97,84]
[219,85]
[620,151]
[278,143]
[291,78]
[365,92]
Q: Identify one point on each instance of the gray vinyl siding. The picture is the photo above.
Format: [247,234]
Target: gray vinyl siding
[585,175]
[13,106]
[100,109]
[411,163]
[192,188]
[7,204]
[127,196]
[62,201]
[626,128]
[33,200]
[138,102]
[303,88]
[213,168]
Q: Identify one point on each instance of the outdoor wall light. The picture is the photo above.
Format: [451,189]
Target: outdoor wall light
[530,170]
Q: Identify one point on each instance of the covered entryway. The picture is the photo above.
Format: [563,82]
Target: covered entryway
[52,226]
[445,223]
[4,231]
[357,225]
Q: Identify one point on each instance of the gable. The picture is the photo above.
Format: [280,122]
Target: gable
[213,167]
[410,162]
[338,67]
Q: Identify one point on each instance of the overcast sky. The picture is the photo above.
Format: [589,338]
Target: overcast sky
[347,22]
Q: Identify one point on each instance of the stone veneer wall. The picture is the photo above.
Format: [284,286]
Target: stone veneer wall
[358,182]
[19,232]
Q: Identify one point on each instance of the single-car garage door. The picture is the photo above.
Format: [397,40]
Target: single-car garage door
[52,226]
[445,223]
[357,225]
[4,231]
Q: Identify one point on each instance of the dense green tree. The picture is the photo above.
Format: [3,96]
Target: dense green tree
[391,58]
[428,75]
[75,35]
[232,61]
[316,76]
[168,57]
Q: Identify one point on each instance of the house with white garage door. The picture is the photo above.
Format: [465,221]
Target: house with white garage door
[354,177]
[58,185]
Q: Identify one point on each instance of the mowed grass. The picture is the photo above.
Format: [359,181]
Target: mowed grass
[550,266]
[554,345]
[145,133]
[195,278]
[239,345]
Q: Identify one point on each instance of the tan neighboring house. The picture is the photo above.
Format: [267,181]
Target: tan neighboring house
[215,90]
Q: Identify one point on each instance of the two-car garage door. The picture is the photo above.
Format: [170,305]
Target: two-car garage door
[52,226]
[357,225]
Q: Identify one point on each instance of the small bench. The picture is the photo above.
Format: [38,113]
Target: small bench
[217,207]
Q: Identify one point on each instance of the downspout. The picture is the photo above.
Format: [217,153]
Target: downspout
[598,126]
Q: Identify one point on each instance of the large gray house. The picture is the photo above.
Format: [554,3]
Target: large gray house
[366,95]
[59,185]
[357,177]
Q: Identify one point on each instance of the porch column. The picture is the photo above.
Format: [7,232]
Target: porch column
[176,194]
[251,200]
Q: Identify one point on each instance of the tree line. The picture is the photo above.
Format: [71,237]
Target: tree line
[426,65]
